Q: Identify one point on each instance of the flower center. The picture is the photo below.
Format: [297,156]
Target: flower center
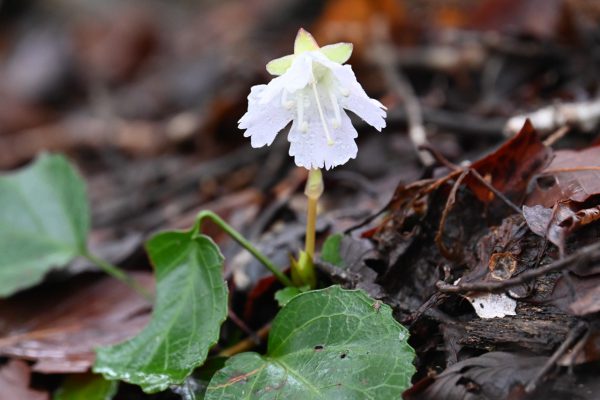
[313,83]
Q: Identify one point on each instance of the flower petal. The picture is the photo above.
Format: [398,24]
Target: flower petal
[353,97]
[263,122]
[310,148]
[295,78]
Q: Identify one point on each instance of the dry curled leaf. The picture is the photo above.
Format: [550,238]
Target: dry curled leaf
[510,167]
[559,222]
[571,175]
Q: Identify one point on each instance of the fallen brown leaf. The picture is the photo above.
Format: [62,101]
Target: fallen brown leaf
[576,295]
[559,222]
[59,326]
[14,382]
[571,175]
[511,166]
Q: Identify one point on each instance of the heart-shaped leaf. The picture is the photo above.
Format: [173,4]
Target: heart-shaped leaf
[324,344]
[190,306]
[283,296]
[44,221]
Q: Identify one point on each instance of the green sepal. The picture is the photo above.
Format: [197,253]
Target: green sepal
[338,52]
[280,65]
[304,42]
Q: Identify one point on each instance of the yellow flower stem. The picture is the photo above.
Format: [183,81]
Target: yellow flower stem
[313,191]
[311,222]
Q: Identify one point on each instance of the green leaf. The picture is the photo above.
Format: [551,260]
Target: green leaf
[283,296]
[338,52]
[331,250]
[324,344]
[44,221]
[86,387]
[190,306]
[194,388]
[280,65]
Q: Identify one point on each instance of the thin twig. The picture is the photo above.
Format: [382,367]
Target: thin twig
[445,162]
[557,135]
[367,220]
[576,350]
[439,157]
[450,201]
[495,191]
[246,344]
[573,335]
[584,254]
[242,325]
[384,55]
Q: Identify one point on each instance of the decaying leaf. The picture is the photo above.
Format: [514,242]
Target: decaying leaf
[559,222]
[14,382]
[577,295]
[565,196]
[571,175]
[490,376]
[60,325]
[588,303]
[510,167]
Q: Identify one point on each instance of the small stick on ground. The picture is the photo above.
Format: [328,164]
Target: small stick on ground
[437,156]
[449,204]
[248,343]
[557,135]
[242,325]
[573,335]
[583,254]
[495,191]
[383,54]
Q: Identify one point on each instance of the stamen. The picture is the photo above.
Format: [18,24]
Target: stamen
[330,141]
[337,122]
[300,109]
[287,104]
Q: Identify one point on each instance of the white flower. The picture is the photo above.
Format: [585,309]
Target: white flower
[313,90]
